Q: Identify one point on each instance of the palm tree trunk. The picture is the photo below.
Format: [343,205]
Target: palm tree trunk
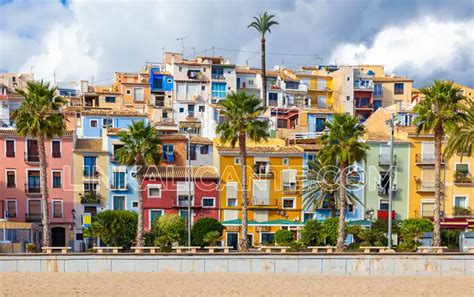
[243,246]
[264,74]
[139,237]
[437,180]
[342,211]
[44,190]
[332,207]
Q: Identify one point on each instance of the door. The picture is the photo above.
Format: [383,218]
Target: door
[322,102]
[2,209]
[34,211]
[232,240]
[58,236]
[119,202]
[238,82]
[320,124]
[250,239]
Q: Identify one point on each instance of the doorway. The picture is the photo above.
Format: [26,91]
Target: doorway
[58,236]
[233,240]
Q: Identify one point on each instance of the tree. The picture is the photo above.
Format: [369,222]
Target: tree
[39,117]
[140,149]
[411,230]
[114,227]
[202,227]
[242,112]
[212,238]
[313,233]
[461,139]
[171,229]
[439,113]
[284,237]
[262,24]
[322,187]
[342,145]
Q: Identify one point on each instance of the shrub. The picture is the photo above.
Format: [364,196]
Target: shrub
[411,230]
[372,237]
[31,248]
[212,238]
[312,233]
[355,230]
[283,237]
[331,231]
[202,227]
[114,227]
[171,230]
[450,238]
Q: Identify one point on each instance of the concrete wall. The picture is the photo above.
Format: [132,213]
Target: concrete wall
[298,264]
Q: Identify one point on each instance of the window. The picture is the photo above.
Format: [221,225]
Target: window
[377,104]
[128,92]
[138,94]
[398,89]
[109,99]
[289,179]
[460,201]
[11,179]
[348,78]
[57,179]
[135,204]
[90,169]
[183,200]
[308,216]
[154,191]
[119,202]
[169,80]
[107,122]
[181,109]
[282,123]
[203,88]
[231,214]
[32,154]
[350,207]
[348,98]
[33,181]
[155,214]
[378,90]
[56,148]
[219,90]
[180,69]
[427,208]
[231,194]
[267,238]
[261,215]
[236,161]
[320,124]
[462,169]
[93,123]
[202,108]
[11,208]
[286,161]
[168,153]
[289,202]
[88,187]
[208,202]
[273,99]
[57,209]
[10,148]
[261,192]
[119,182]
[204,149]
[192,151]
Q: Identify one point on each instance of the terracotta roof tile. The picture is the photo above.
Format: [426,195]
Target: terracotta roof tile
[88,145]
[12,132]
[390,79]
[113,113]
[246,70]
[180,172]
[200,140]
[263,149]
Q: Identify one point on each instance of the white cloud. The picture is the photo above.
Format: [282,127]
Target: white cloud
[422,49]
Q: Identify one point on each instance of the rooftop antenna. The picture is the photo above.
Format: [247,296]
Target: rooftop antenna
[182,43]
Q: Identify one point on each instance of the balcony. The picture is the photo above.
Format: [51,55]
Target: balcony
[32,190]
[426,187]
[195,75]
[262,170]
[184,204]
[363,106]
[384,190]
[31,158]
[462,179]
[33,217]
[218,76]
[119,187]
[427,159]
[263,203]
[91,173]
[383,214]
[384,160]
[90,197]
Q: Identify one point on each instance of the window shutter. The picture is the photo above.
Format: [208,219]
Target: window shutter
[231,190]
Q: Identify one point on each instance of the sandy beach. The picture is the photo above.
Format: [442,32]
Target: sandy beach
[226,284]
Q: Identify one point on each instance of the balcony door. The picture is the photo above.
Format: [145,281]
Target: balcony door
[119,202]
[34,181]
[34,211]
[427,151]
[32,150]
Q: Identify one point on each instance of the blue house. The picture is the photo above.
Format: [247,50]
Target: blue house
[159,81]
[95,121]
[316,121]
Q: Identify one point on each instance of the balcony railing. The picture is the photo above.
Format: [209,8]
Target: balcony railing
[29,189]
[359,105]
[383,191]
[218,76]
[91,173]
[426,186]
[33,217]
[119,187]
[383,214]
[264,202]
[385,159]
[90,198]
[462,178]
[426,159]
[31,158]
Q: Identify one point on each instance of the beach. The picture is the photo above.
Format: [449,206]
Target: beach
[228,284]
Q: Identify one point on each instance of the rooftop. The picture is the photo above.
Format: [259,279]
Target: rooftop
[88,145]
[392,79]
[12,132]
[180,172]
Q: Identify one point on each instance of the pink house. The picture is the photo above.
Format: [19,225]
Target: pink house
[166,191]
[20,195]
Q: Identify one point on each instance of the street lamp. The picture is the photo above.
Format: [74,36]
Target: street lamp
[391,123]
[188,135]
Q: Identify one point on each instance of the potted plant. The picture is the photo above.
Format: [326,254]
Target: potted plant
[30,248]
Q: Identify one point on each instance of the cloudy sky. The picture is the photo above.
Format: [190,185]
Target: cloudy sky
[425,39]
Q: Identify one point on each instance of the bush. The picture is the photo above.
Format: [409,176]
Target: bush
[410,232]
[450,238]
[330,227]
[212,238]
[312,233]
[31,248]
[372,237]
[114,227]
[202,227]
[283,237]
[170,230]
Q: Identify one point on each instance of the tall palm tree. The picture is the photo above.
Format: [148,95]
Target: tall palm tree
[462,137]
[241,112]
[439,113]
[262,24]
[342,146]
[39,117]
[140,149]
[321,187]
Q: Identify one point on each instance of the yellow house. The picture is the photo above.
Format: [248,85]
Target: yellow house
[273,189]
[457,198]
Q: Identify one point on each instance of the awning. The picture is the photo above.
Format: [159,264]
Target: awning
[267,223]
[362,223]
[18,225]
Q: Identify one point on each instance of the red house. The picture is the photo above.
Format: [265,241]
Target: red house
[166,191]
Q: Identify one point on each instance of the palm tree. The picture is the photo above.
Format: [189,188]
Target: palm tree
[462,137]
[39,117]
[262,24]
[342,146]
[321,187]
[439,113]
[140,149]
[241,112]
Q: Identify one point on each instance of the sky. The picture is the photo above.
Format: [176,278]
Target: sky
[421,39]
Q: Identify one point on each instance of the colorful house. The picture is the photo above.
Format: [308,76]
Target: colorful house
[274,190]
[20,198]
[166,190]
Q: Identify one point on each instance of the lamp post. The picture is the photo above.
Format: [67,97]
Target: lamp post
[391,124]
[188,132]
